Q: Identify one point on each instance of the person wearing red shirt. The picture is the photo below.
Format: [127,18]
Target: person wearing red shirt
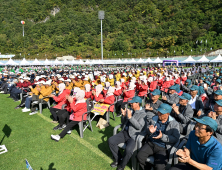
[61,100]
[183,78]
[97,95]
[110,98]
[88,93]
[177,79]
[152,84]
[118,89]
[127,94]
[79,107]
[143,87]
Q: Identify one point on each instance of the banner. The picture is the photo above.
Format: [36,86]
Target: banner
[28,166]
[100,108]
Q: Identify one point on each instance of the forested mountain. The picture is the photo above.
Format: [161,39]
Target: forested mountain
[140,27]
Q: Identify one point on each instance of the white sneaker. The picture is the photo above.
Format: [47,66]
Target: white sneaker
[1,91]
[69,132]
[32,113]
[55,137]
[25,110]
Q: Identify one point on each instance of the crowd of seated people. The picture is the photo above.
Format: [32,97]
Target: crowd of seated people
[173,100]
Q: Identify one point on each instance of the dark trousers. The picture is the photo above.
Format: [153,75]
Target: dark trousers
[4,87]
[183,166]
[62,116]
[68,127]
[122,137]
[54,112]
[159,153]
[120,104]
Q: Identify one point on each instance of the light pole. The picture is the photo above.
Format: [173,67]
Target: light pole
[23,33]
[101,17]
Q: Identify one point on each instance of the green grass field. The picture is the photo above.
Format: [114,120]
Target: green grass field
[30,139]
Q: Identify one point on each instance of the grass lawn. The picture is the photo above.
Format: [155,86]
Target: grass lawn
[30,139]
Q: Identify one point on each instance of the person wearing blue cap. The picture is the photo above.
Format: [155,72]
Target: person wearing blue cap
[200,82]
[153,103]
[202,150]
[196,101]
[133,124]
[183,112]
[217,95]
[186,87]
[217,85]
[171,97]
[163,133]
[217,116]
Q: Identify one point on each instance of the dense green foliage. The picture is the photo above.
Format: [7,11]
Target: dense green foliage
[139,27]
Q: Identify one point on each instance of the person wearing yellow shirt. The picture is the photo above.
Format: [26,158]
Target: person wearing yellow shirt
[137,74]
[68,84]
[118,76]
[124,77]
[111,80]
[78,83]
[44,92]
[84,82]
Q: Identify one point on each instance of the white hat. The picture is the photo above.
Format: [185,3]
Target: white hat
[37,83]
[61,79]
[71,77]
[47,83]
[42,82]
[68,80]
[79,77]
[86,78]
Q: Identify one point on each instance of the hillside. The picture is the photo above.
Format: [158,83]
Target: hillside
[140,27]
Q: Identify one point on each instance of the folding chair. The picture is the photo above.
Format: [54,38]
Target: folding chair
[42,101]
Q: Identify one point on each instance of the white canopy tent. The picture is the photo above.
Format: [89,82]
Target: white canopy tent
[99,62]
[119,61]
[57,62]
[80,62]
[47,62]
[24,62]
[148,61]
[203,60]
[140,61]
[65,62]
[87,62]
[74,62]
[189,60]
[2,63]
[11,62]
[36,62]
[217,59]
[132,61]
[157,60]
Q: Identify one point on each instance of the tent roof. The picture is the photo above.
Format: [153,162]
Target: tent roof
[80,62]
[65,62]
[24,62]
[119,61]
[217,59]
[57,62]
[148,61]
[203,59]
[140,60]
[87,62]
[132,61]
[11,62]
[47,62]
[157,60]
[188,60]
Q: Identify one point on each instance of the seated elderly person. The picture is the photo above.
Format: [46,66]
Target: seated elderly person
[186,87]
[110,98]
[127,94]
[43,92]
[133,123]
[79,106]
[26,100]
[217,116]
[196,101]
[217,95]
[163,133]
[171,97]
[97,93]
[183,112]
[202,150]
[61,100]
[153,104]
